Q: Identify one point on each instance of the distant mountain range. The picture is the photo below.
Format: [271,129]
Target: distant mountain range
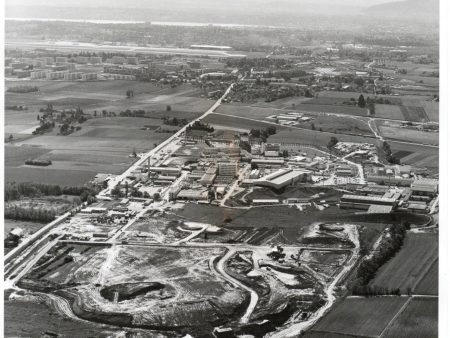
[423,10]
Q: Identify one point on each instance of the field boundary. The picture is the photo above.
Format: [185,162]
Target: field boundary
[395,317]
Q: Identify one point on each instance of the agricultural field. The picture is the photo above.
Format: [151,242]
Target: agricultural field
[358,317]
[408,134]
[429,285]
[284,134]
[418,319]
[329,108]
[418,156]
[98,95]
[102,145]
[389,111]
[410,265]
[27,226]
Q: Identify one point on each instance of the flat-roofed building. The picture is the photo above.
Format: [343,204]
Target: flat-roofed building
[192,194]
[89,76]
[266,201]
[132,60]
[95,60]
[170,171]
[426,187]
[38,74]
[227,169]
[207,179]
[82,59]
[268,162]
[72,76]
[282,178]
[364,202]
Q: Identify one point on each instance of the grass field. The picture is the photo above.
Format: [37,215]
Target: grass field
[418,156]
[103,144]
[327,108]
[388,111]
[429,285]
[432,110]
[410,264]
[359,317]
[326,123]
[418,319]
[29,227]
[409,135]
[284,134]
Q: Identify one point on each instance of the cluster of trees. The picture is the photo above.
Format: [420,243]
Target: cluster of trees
[39,162]
[15,191]
[29,214]
[263,133]
[15,107]
[130,93]
[48,109]
[197,125]
[371,291]
[391,158]
[332,142]
[175,121]
[389,246]
[23,89]
[132,113]
[44,127]
[246,146]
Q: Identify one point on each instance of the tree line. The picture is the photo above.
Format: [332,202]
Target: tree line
[16,191]
[23,213]
[390,245]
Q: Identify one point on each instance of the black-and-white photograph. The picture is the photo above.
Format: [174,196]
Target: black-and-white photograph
[221,169]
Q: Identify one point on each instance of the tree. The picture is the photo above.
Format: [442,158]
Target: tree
[361,101]
[134,153]
[11,137]
[371,108]
[313,127]
[359,81]
[285,153]
[333,141]
[38,117]
[157,196]
[168,108]
[246,146]
[116,191]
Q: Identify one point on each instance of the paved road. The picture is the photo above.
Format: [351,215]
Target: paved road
[115,180]
[253,295]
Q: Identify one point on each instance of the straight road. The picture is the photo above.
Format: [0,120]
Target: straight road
[117,179]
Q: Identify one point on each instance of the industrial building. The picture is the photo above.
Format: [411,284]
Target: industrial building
[89,76]
[268,162]
[282,178]
[169,171]
[425,187]
[72,76]
[38,74]
[364,202]
[227,169]
[191,194]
